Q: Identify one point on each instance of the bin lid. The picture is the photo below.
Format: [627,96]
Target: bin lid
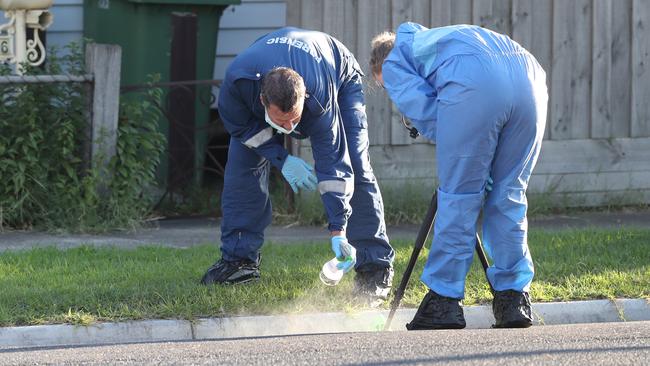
[187,2]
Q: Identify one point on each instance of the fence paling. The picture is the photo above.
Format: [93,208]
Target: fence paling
[104,62]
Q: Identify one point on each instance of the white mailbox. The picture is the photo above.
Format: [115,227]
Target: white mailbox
[25,4]
[23,14]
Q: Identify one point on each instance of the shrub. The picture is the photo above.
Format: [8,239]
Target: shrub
[45,180]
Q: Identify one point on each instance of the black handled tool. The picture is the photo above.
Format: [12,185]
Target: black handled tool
[425,229]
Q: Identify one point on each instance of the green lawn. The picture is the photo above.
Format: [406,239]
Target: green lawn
[89,284]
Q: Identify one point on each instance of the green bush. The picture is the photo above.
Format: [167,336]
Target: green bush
[44,180]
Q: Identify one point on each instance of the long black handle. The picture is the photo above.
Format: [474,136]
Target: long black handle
[484,261]
[425,229]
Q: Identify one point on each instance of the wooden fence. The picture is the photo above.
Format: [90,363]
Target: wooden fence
[597,57]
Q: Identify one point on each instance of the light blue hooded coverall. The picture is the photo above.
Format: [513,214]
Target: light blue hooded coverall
[482,98]
[333,118]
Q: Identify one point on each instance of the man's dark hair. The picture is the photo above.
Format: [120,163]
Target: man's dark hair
[284,88]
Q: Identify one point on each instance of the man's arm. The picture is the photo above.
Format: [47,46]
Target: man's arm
[333,168]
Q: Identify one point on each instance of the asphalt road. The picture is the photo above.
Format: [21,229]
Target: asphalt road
[578,344]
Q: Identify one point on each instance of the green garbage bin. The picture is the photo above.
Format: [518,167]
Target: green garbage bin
[144,30]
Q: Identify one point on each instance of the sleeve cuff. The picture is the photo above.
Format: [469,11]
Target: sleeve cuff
[273,152]
[335,227]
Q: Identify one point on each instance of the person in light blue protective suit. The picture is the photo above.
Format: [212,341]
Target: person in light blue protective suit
[308,85]
[482,99]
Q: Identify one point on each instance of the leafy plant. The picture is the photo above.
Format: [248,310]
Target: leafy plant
[45,179]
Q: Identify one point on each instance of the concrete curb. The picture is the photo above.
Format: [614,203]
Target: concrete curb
[592,311]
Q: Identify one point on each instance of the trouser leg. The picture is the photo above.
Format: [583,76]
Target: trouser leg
[245,203]
[505,226]
[366,226]
[467,134]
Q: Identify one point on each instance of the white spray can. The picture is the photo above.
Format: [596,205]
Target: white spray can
[331,274]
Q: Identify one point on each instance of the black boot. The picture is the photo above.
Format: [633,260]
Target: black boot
[230,273]
[512,309]
[373,284]
[438,312]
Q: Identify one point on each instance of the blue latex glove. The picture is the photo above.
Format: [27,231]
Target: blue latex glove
[299,174]
[345,253]
[488,184]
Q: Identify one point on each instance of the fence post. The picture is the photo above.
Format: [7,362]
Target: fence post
[104,62]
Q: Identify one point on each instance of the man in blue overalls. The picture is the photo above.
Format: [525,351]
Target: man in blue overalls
[308,85]
[482,98]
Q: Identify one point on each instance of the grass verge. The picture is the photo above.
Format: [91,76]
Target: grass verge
[88,284]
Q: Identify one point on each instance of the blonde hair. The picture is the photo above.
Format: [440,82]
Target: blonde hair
[380,47]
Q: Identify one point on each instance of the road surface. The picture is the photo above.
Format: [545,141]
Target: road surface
[577,344]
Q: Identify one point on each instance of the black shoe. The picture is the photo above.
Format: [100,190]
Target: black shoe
[230,273]
[374,283]
[438,312]
[512,309]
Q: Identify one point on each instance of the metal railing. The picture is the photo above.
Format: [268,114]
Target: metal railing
[46,79]
[186,108]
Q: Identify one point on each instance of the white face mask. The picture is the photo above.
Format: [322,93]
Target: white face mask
[270,122]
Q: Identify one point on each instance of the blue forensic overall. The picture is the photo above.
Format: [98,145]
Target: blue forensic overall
[334,119]
[482,99]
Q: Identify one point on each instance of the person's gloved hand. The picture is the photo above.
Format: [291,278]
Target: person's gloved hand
[299,174]
[345,253]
